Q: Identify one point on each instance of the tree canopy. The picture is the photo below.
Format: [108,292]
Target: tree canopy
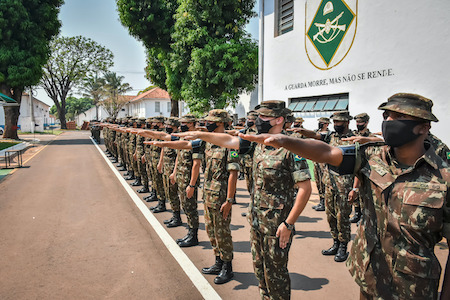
[26,28]
[201,53]
[72,60]
[114,93]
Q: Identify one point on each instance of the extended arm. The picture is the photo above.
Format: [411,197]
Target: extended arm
[220,139]
[155,135]
[194,175]
[173,145]
[445,293]
[317,151]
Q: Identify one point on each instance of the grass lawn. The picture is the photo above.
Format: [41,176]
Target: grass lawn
[311,169]
[4,145]
[54,132]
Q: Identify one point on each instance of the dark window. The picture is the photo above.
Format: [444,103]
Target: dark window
[326,103]
[284,16]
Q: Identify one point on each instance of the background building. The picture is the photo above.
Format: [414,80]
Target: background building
[323,56]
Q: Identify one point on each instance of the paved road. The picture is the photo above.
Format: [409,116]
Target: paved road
[70,230]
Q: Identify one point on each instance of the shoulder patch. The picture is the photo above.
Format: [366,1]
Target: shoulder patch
[298,158]
[234,153]
[448,155]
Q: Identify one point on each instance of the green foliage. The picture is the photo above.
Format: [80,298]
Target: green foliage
[208,60]
[114,91]
[26,28]
[72,60]
[146,89]
[54,111]
[76,106]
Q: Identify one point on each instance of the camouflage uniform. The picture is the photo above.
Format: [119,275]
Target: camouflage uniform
[169,157]
[319,169]
[337,188]
[406,213]
[247,163]
[131,150]
[155,154]
[276,171]
[219,161]
[440,148]
[142,168]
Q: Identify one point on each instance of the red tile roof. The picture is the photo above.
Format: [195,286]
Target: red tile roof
[154,93]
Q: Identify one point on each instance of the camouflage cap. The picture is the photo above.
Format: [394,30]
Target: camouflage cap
[362,117]
[218,115]
[172,121]
[299,120]
[141,120]
[252,115]
[411,105]
[272,108]
[242,119]
[158,119]
[149,120]
[189,118]
[324,120]
[341,116]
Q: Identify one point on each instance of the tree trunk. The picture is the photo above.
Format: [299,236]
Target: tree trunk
[62,117]
[11,112]
[175,110]
[96,112]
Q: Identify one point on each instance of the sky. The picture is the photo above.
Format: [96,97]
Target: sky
[99,20]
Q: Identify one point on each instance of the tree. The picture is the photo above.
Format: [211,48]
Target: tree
[72,59]
[76,106]
[26,28]
[115,90]
[94,87]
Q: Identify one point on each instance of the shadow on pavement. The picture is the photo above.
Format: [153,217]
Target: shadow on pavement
[62,142]
[242,246]
[314,234]
[245,279]
[301,282]
[304,219]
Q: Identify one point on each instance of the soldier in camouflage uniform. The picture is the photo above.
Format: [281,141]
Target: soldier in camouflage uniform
[273,209]
[407,208]
[247,159]
[157,179]
[319,168]
[219,188]
[142,169]
[148,162]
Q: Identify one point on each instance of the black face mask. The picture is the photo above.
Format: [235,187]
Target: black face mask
[169,130]
[211,127]
[321,125]
[297,125]
[361,127]
[339,129]
[184,128]
[397,133]
[156,127]
[201,124]
[148,126]
[250,124]
[263,126]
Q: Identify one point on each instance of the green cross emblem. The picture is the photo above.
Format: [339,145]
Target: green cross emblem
[329,26]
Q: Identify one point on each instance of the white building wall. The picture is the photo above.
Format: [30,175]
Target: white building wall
[406,40]
[34,119]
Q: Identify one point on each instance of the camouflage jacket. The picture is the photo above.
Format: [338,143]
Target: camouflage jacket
[366,133]
[140,145]
[406,214]
[275,172]
[219,161]
[169,157]
[441,149]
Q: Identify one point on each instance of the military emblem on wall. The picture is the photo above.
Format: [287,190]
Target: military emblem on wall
[330,31]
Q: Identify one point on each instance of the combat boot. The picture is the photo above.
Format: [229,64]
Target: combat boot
[342,253]
[176,221]
[122,169]
[333,250]
[184,237]
[130,176]
[357,216]
[215,268]
[168,220]
[321,205]
[161,207]
[225,274]
[114,160]
[191,240]
[119,165]
[143,190]
[137,182]
[152,197]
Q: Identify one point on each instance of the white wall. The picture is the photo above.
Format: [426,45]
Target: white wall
[411,39]
[31,120]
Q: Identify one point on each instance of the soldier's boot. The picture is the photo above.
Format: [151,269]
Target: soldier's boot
[176,221]
[131,175]
[333,249]
[184,237]
[191,240]
[342,253]
[168,220]
[225,274]
[321,206]
[119,165]
[215,268]
[137,182]
[113,160]
[122,169]
[241,176]
[161,207]
[152,197]
[144,189]
[357,216]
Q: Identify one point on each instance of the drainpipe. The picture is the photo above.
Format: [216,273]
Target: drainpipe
[261,53]
[31,110]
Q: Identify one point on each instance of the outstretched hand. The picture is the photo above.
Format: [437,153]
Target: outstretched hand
[189,135]
[274,140]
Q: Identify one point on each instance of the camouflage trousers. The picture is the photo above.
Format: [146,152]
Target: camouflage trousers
[133,162]
[318,177]
[247,168]
[157,180]
[270,265]
[171,192]
[148,166]
[189,205]
[337,207]
[219,233]
[142,167]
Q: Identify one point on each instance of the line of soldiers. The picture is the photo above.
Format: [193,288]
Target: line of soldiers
[169,153]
